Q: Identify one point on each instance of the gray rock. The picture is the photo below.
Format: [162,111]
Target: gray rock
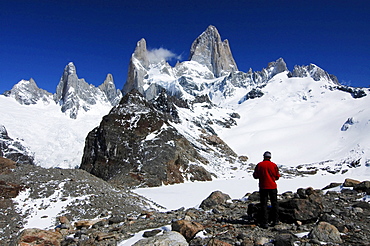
[209,50]
[304,209]
[363,187]
[325,232]
[166,239]
[109,88]
[214,199]
[314,72]
[137,69]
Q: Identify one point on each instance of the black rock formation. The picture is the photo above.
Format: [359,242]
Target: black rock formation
[135,145]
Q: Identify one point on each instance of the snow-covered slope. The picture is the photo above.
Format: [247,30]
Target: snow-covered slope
[55,139]
[302,121]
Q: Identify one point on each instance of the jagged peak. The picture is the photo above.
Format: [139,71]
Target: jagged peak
[278,63]
[141,52]
[209,50]
[25,83]
[108,82]
[315,72]
[109,78]
[27,92]
[211,31]
[70,68]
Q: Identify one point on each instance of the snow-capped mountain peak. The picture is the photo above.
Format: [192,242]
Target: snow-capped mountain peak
[27,92]
[314,72]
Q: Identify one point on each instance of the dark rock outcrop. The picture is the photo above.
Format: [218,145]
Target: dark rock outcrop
[305,208]
[136,145]
[216,198]
[13,149]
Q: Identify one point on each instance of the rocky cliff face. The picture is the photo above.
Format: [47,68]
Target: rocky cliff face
[109,89]
[136,145]
[137,69]
[13,149]
[209,50]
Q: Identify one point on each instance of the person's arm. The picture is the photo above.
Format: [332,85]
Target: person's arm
[277,176]
[255,173]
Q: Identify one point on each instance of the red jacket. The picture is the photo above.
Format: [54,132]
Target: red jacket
[267,172]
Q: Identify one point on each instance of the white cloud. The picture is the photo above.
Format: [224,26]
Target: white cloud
[157,55]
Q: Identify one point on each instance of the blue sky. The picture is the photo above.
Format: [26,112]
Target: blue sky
[38,38]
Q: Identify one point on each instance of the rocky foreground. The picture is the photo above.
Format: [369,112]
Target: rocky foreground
[111,215]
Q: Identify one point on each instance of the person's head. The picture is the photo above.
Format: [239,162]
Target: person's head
[267,155]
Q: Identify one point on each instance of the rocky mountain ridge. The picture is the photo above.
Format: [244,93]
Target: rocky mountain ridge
[72,94]
[138,144]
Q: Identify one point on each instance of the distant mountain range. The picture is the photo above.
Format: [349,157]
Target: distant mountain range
[201,119]
[72,94]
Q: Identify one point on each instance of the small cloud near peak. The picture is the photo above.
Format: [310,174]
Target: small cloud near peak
[157,55]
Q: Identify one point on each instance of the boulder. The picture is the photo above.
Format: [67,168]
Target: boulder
[363,187]
[285,239]
[325,232]
[187,228]
[332,185]
[65,223]
[216,242]
[168,238]
[255,196]
[84,223]
[216,198]
[9,190]
[335,221]
[350,182]
[302,209]
[151,233]
[37,237]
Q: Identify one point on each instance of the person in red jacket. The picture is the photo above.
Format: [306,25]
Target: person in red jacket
[267,172]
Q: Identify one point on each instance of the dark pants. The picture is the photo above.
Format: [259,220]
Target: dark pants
[264,195]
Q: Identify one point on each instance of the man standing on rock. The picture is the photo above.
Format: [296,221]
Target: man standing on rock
[267,172]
